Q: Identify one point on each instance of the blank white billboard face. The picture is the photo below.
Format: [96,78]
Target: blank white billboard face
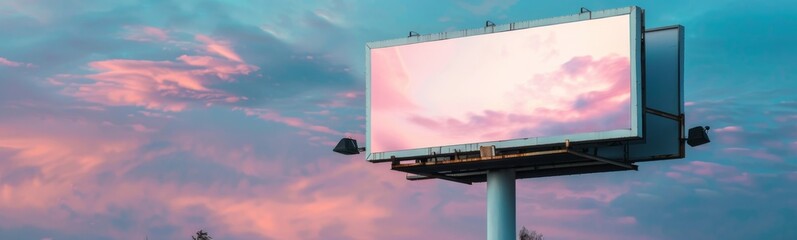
[557,80]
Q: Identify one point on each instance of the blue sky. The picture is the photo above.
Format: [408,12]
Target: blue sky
[126,119]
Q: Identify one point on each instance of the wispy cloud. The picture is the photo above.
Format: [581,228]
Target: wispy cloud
[163,85]
[219,47]
[9,63]
[719,172]
[729,129]
[271,115]
[145,34]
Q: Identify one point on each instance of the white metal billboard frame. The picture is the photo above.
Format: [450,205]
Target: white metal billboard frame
[636,31]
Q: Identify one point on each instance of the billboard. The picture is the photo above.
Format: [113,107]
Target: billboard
[663,127]
[532,83]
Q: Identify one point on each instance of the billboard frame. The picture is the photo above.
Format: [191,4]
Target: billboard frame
[576,159]
[636,24]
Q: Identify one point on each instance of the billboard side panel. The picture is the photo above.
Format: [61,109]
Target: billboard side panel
[367,102]
[681,49]
[664,68]
[664,94]
[637,75]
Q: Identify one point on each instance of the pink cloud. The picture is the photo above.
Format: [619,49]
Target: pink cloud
[346,99]
[60,148]
[141,128]
[465,208]
[628,220]
[334,103]
[356,199]
[66,156]
[740,178]
[792,176]
[682,178]
[673,174]
[324,112]
[762,154]
[9,63]
[73,158]
[786,118]
[146,34]
[271,115]
[160,85]
[729,129]
[540,207]
[220,150]
[322,141]
[306,208]
[92,108]
[155,114]
[703,168]
[221,48]
[280,220]
[714,171]
[350,94]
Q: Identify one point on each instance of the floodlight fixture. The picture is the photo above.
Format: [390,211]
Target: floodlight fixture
[698,136]
[348,146]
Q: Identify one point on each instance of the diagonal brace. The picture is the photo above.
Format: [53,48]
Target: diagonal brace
[440,176]
[600,159]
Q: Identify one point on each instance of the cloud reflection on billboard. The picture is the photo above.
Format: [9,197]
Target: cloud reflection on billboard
[546,81]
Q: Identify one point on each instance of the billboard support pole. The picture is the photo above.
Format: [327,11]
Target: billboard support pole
[500,200]
[501,204]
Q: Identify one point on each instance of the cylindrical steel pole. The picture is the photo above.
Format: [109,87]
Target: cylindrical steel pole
[501,204]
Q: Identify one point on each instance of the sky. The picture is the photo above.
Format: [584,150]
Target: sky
[535,82]
[134,119]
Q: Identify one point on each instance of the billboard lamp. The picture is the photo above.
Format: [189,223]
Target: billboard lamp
[348,146]
[698,136]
